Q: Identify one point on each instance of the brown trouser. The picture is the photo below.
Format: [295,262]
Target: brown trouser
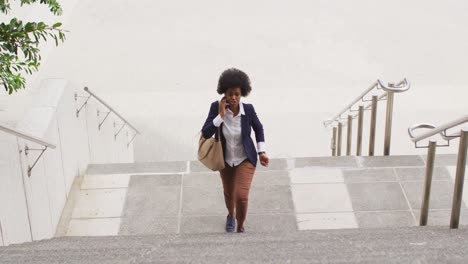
[236,185]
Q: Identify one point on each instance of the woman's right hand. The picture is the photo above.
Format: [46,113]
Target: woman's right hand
[222,107]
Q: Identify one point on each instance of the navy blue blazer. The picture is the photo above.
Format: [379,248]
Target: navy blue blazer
[248,121]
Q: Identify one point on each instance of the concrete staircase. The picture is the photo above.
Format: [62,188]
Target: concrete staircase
[322,209]
[402,245]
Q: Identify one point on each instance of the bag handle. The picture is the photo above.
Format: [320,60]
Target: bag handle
[219,128]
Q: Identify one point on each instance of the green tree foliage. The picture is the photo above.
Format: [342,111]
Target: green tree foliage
[19,42]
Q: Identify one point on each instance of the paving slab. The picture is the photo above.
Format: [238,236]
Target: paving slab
[275,164]
[326,162]
[203,200]
[203,224]
[316,221]
[316,175]
[391,161]
[147,183]
[105,181]
[453,172]
[143,167]
[377,196]
[279,177]
[160,201]
[214,180]
[148,225]
[441,194]
[253,223]
[419,174]
[382,219]
[442,217]
[311,198]
[369,175]
[207,179]
[99,203]
[94,227]
[271,223]
[444,159]
[197,166]
[273,199]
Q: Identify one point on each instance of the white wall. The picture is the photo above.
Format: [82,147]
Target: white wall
[14,211]
[158,61]
[31,206]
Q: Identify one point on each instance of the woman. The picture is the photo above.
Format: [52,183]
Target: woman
[236,121]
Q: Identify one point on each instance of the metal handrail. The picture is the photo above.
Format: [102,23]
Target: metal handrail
[86,89]
[27,137]
[36,140]
[400,87]
[460,170]
[381,97]
[413,128]
[339,121]
[441,129]
[348,107]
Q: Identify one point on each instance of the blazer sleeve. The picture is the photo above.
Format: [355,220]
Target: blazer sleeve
[209,129]
[257,127]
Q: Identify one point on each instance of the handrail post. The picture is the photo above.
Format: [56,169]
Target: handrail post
[91,94]
[359,132]
[333,143]
[388,123]
[427,183]
[373,125]
[459,180]
[348,136]
[340,131]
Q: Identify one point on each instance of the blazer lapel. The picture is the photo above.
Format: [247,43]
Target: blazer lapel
[243,125]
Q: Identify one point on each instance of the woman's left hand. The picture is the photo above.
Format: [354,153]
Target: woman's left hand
[264,160]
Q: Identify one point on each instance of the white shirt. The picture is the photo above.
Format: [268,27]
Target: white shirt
[235,153]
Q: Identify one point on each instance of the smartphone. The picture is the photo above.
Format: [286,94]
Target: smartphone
[224,98]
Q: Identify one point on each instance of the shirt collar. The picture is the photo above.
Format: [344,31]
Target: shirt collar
[241,109]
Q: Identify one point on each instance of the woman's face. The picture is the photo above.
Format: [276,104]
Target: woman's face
[233,96]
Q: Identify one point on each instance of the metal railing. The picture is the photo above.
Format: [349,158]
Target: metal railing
[365,104]
[27,137]
[461,163]
[111,110]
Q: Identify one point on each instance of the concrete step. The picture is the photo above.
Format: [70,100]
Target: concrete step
[389,245]
[292,194]
[277,164]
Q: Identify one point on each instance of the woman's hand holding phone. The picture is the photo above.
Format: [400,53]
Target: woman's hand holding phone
[222,107]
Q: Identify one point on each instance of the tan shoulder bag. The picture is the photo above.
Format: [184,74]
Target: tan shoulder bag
[210,152]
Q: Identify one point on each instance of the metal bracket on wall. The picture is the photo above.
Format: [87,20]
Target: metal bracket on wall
[102,122]
[81,108]
[120,129]
[134,136]
[1,234]
[26,152]
[427,146]
[382,97]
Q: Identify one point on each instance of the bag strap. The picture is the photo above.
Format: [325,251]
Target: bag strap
[219,133]
[219,128]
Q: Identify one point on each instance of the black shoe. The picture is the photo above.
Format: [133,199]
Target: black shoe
[241,230]
[230,224]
